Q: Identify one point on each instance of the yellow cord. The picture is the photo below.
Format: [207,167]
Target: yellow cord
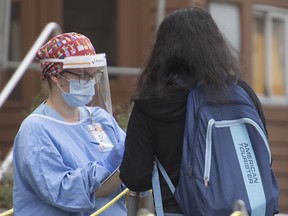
[236,213]
[108,205]
[6,213]
[119,196]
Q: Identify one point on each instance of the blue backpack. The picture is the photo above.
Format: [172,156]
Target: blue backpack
[225,158]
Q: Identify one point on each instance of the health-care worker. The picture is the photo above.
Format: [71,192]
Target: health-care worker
[64,149]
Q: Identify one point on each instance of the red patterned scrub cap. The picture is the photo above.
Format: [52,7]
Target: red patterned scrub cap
[67,50]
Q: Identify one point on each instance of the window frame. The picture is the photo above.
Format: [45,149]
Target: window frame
[270,13]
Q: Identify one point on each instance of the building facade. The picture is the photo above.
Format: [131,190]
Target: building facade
[124,30]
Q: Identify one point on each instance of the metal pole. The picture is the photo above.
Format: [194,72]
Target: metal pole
[133,202]
[123,71]
[161,8]
[239,206]
[6,33]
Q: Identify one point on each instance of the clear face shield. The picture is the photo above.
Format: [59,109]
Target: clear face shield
[102,97]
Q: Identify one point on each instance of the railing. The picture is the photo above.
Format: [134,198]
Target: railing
[161,9]
[123,70]
[50,28]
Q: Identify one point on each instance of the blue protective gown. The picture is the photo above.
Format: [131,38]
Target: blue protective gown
[56,170]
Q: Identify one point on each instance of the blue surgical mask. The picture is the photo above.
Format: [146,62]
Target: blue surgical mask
[79,95]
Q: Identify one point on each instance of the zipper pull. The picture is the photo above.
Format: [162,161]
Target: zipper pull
[190,171]
[206,181]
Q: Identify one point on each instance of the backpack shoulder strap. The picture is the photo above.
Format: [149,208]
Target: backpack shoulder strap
[247,88]
[165,175]
[157,191]
[156,186]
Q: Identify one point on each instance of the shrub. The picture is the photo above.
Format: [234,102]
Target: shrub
[6,194]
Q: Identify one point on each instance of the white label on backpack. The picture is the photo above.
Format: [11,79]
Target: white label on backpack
[249,168]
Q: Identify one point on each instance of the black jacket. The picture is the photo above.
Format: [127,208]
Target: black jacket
[156,128]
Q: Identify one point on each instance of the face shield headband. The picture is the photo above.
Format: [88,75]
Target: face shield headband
[76,61]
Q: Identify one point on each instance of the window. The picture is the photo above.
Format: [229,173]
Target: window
[269,53]
[97,20]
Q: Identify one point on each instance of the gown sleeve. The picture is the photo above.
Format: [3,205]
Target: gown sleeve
[44,172]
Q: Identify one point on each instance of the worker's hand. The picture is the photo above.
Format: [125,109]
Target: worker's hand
[114,159]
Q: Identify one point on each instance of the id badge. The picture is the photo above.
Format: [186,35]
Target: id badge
[100,137]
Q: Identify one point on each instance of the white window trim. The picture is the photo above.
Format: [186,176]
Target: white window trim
[273,12]
[5,13]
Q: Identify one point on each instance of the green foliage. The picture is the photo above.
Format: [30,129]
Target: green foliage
[6,194]
[38,99]
[121,115]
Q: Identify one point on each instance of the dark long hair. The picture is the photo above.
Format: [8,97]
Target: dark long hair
[189,50]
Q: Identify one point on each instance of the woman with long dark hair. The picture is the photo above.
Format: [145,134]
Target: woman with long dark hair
[189,51]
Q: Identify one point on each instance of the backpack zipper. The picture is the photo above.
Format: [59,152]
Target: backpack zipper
[208,152]
[220,124]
